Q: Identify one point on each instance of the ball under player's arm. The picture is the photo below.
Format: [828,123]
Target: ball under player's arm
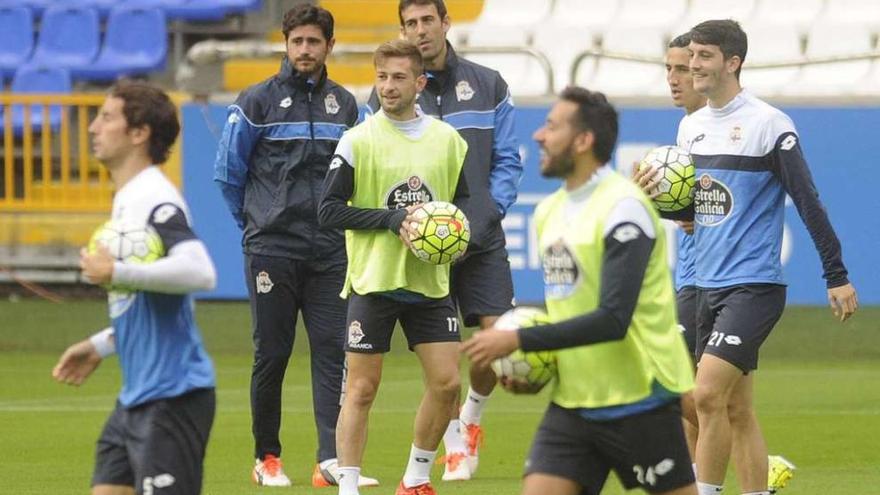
[506,170]
[628,244]
[794,174]
[240,136]
[187,266]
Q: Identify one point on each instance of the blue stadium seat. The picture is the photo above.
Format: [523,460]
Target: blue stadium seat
[37,6]
[199,10]
[16,39]
[69,37]
[33,78]
[240,6]
[136,43]
[186,10]
[102,6]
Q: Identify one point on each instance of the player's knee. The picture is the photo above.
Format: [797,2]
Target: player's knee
[448,387]
[740,414]
[271,362]
[709,400]
[361,391]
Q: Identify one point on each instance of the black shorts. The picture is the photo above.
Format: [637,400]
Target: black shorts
[482,285]
[733,322]
[646,450]
[686,305]
[371,320]
[157,447]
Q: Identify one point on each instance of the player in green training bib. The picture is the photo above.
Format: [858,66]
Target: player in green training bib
[622,361]
[383,170]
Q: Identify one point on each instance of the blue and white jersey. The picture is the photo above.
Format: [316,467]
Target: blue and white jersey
[685,269]
[159,346]
[747,157]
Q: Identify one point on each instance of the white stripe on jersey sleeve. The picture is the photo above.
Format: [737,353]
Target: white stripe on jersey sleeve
[630,210]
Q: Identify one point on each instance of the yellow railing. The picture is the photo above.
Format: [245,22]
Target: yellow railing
[50,168]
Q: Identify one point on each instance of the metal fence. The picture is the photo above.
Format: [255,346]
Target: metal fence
[46,163]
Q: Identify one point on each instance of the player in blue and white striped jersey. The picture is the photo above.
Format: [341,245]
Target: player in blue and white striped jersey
[748,157]
[155,439]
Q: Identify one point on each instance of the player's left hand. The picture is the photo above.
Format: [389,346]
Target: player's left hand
[487,345]
[844,301]
[77,363]
[97,268]
[687,226]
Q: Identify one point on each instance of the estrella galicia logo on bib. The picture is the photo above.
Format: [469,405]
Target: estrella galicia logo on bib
[561,272]
[713,201]
[411,191]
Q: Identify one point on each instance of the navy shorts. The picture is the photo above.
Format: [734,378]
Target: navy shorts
[157,447]
[482,285]
[372,317]
[646,450]
[733,322]
[686,305]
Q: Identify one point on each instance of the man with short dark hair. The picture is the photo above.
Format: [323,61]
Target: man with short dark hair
[748,157]
[383,170]
[476,101]
[277,143]
[680,81]
[155,439]
[622,364]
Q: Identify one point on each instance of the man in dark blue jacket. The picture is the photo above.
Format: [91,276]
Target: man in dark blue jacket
[270,167]
[476,101]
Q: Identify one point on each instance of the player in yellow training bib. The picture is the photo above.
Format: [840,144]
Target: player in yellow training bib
[622,361]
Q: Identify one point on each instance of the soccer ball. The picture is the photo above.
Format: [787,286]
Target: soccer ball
[127,242]
[443,233]
[535,368]
[675,169]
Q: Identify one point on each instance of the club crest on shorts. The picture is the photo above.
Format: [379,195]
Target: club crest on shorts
[355,334]
[264,283]
[331,106]
[463,91]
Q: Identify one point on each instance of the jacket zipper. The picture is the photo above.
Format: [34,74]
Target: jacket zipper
[440,106]
[310,172]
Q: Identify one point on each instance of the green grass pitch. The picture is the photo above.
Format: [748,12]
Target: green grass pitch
[818,398]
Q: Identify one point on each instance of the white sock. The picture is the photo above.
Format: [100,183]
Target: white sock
[472,408]
[348,480]
[452,439]
[327,462]
[694,467]
[708,488]
[418,469]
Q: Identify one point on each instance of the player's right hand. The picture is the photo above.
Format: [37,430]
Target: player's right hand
[97,267]
[844,301]
[409,225]
[646,179]
[517,386]
[77,363]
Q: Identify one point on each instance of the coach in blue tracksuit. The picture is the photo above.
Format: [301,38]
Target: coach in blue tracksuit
[476,101]
[279,137]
